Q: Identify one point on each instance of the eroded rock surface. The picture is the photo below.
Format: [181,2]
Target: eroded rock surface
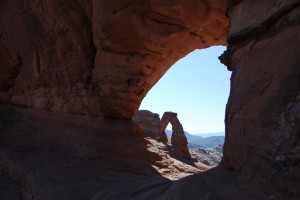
[154,127]
[48,155]
[209,156]
[98,58]
[178,139]
[262,114]
[9,189]
[151,124]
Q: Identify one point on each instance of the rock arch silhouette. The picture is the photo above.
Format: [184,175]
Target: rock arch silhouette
[178,138]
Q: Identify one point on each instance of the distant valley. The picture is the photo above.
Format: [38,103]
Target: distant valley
[209,140]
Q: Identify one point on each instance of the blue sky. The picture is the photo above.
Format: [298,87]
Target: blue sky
[197,88]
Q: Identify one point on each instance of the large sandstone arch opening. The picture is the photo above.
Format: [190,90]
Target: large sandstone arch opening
[197,88]
[141,40]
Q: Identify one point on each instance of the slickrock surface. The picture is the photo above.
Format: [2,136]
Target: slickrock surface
[48,155]
[170,166]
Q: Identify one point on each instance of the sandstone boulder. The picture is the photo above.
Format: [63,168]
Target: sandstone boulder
[151,124]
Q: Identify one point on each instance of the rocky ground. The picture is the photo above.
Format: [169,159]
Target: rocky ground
[46,155]
[73,157]
[209,156]
[178,156]
[170,167]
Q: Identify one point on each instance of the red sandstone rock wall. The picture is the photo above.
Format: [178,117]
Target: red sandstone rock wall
[150,122]
[47,54]
[262,114]
[98,57]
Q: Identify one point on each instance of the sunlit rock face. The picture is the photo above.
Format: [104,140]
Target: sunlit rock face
[178,138]
[151,124]
[98,58]
[154,127]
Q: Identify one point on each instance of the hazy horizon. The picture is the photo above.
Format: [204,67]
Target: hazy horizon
[221,133]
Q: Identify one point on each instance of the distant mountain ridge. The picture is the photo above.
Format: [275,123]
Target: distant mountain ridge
[211,140]
[204,135]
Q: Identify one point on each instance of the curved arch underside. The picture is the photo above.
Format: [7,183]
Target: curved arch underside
[100,58]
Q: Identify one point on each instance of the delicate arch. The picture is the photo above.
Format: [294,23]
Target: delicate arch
[178,139]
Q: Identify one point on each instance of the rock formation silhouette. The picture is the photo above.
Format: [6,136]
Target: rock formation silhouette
[154,127]
[178,139]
